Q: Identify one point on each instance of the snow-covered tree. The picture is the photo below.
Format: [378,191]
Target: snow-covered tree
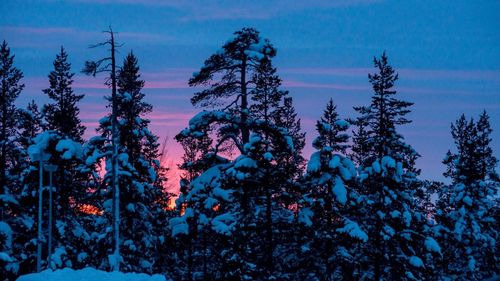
[108,65]
[70,182]
[11,157]
[332,234]
[141,177]
[332,130]
[292,163]
[11,88]
[236,65]
[241,81]
[466,208]
[28,121]
[387,185]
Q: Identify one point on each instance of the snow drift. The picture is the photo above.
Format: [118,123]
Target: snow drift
[88,274]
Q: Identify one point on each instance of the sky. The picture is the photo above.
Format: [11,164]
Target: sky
[447,54]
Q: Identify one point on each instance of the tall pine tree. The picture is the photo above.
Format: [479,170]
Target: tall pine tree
[10,158]
[387,184]
[141,176]
[330,174]
[242,83]
[11,88]
[466,208]
[62,114]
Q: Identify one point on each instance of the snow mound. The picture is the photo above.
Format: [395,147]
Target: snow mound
[432,245]
[70,149]
[88,274]
[416,261]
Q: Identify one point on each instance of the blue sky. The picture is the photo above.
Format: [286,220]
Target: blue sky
[447,54]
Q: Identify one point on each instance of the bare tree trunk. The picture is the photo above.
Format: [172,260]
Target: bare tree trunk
[114,159]
[245,132]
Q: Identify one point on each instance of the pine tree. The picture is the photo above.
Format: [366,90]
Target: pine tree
[70,183]
[29,127]
[11,88]
[62,114]
[266,95]
[465,209]
[239,56]
[291,165]
[67,244]
[11,155]
[199,243]
[30,124]
[387,185]
[243,122]
[286,117]
[108,65]
[487,161]
[460,166]
[331,234]
[139,169]
[331,130]
[360,147]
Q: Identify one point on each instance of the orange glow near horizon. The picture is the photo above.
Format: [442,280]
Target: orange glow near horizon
[89,209]
[171,204]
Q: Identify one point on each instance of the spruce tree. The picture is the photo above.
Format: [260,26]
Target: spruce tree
[360,147]
[10,158]
[487,161]
[141,176]
[286,117]
[466,208]
[197,248]
[331,130]
[22,215]
[68,234]
[30,124]
[331,233]
[387,185]
[291,165]
[11,88]
[62,114]
[63,142]
[108,65]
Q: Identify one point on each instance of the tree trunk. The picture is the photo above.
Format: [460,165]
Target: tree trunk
[245,132]
[114,159]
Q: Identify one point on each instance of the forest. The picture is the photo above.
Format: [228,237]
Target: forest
[251,205]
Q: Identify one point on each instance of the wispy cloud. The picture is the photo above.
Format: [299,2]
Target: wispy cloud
[407,73]
[178,84]
[462,74]
[84,82]
[36,30]
[326,71]
[202,10]
[302,84]
[35,35]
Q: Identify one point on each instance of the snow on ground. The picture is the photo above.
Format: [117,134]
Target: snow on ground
[88,274]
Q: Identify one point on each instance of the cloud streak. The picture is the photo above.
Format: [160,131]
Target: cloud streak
[28,34]
[412,73]
[201,10]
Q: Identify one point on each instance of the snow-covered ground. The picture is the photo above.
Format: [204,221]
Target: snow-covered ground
[88,274]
